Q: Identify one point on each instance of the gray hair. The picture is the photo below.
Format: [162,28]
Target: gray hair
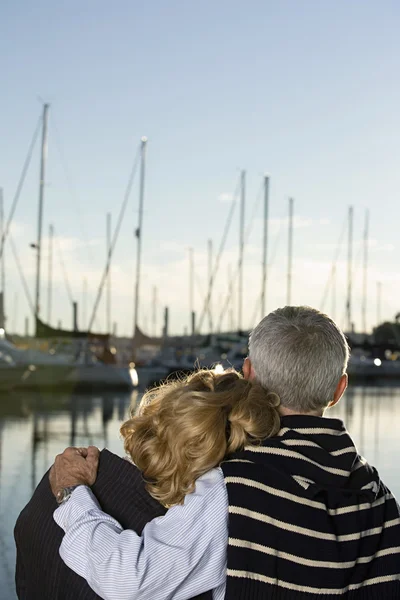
[300,354]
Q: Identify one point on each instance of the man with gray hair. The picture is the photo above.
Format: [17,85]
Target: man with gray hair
[302,516]
[301,355]
[308,516]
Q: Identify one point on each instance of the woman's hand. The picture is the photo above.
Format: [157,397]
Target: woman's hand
[75,466]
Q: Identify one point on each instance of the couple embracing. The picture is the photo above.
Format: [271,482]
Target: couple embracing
[235,487]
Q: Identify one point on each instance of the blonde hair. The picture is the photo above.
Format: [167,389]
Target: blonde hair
[185,428]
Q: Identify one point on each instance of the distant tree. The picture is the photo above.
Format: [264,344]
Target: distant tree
[388,333]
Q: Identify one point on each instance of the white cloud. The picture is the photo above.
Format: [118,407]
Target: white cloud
[276,224]
[380,247]
[172,246]
[225,197]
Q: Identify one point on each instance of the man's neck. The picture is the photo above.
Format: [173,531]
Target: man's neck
[286,412]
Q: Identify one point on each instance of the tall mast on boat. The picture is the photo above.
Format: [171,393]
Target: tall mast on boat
[241,248]
[378,302]
[265,249]
[365,274]
[231,300]
[50,274]
[154,311]
[84,304]
[210,270]
[191,291]
[108,301]
[290,254]
[139,231]
[2,267]
[40,214]
[349,270]
[333,309]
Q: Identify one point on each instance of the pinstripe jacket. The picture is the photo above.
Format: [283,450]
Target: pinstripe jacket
[40,572]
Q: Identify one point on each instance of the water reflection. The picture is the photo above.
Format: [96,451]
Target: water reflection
[78,420]
[36,427]
[33,429]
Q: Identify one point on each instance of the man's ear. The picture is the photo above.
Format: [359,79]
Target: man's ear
[340,390]
[248,371]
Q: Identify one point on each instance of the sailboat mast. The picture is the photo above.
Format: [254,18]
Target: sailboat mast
[290,254]
[154,311]
[108,301]
[191,290]
[139,230]
[210,270]
[40,213]
[241,249]
[349,269]
[365,274]
[231,300]
[50,274]
[265,249]
[333,310]
[2,267]
[378,302]
[84,304]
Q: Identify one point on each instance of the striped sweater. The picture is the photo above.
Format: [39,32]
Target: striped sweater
[310,519]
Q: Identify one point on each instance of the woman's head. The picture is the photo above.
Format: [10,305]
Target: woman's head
[184,428]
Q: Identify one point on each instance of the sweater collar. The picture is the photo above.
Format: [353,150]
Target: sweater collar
[311,422]
[315,450]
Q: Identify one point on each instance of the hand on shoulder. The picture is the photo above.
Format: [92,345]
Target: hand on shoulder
[75,466]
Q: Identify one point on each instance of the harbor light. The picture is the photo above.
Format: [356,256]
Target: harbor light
[143,139]
[377,362]
[134,377]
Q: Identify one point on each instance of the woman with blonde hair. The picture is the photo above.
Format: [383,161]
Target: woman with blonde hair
[185,428]
[179,436]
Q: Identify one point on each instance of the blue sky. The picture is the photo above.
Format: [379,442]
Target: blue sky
[307,91]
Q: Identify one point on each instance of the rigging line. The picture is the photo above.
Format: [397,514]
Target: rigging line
[248,231]
[256,310]
[276,246]
[115,236]
[20,185]
[199,288]
[343,322]
[21,273]
[73,193]
[270,264]
[64,270]
[249,227]
[199,285]
[357,263]
[334,262]
[72,189]
[220,252]
[235,275]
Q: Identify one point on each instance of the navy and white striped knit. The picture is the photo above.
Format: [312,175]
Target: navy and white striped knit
[309,518]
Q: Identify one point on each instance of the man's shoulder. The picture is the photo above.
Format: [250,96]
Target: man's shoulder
[121,492]
[117,471]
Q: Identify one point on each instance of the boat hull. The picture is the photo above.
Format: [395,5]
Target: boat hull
[45,377]
[100,377]
[368,370]
[13,377]
[150,376]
